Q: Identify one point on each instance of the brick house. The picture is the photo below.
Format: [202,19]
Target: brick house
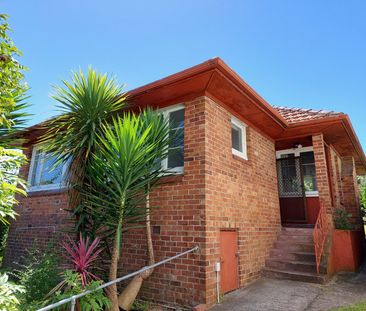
[249,177]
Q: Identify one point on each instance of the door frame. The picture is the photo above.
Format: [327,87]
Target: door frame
[237,255]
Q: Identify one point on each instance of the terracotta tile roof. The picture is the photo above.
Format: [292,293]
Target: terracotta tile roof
[295,115]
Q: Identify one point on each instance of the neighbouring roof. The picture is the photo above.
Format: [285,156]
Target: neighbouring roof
[295,115]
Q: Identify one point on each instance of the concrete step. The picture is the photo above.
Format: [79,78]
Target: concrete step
[300,226]
[295,275]
[296,238]
[297,231]
[287,246]
[293,265]
[295,255]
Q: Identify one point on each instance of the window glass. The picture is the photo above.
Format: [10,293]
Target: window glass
[175,158]
[43,172]
[288,155]
[236,138]
[290,181]
[176,119]
[308,170]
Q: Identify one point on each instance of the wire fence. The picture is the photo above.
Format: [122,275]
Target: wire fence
[72,299]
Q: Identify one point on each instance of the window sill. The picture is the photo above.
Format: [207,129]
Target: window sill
[314,194]
[239,154]
[241,159]
[45,192]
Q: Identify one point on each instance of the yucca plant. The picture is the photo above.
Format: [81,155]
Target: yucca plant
[160,136]
[85,104]
[122,175]
[82,256]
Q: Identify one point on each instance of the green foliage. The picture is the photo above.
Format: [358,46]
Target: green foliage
[10,183]
[4,229]
[362,186]
[72,285]
[38,275]
[121,174]
[8,294]
[140,305]
[341,219]
[85,105]
[12,85]
[356,307]
[12,118]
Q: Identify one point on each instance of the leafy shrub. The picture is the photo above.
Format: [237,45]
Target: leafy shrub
[38,275]
[363,197]
[4,229]
[341,219]
[8,294]
[140,305]
[72,285]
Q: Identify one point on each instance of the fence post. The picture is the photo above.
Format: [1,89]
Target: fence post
[73,302]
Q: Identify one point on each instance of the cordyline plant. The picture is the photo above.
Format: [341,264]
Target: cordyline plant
[82,256]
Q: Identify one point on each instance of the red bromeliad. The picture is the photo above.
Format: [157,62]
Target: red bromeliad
[82,256]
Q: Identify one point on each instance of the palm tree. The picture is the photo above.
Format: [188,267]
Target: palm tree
[124,168]
[85,104]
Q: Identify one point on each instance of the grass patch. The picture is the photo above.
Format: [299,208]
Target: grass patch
[356,307]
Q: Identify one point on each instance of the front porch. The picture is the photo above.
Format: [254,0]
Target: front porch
[313,181]
[312,173]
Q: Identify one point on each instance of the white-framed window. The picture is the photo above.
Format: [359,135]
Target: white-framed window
[42,174]
[306,155]
[175,160]
[239,138]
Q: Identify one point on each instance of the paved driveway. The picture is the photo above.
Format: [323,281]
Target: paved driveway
[284,295]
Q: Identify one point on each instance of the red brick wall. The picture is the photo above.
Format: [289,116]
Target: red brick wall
[41,218]
[180,215]
[335,172]
[217,190]
[240,194]
[322,176]
[351,200]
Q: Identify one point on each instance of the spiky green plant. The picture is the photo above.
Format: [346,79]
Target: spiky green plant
[124,166]
[85,104]
[160,135]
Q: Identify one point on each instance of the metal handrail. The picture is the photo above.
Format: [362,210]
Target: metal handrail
[321,232]
[73,299]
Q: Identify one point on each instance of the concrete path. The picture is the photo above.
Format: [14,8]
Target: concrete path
[285,295]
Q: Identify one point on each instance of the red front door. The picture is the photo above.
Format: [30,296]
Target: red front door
[291,190]
[229,260]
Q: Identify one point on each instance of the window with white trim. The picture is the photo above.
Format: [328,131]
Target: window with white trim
[175,160]
[42,174]
[239,138]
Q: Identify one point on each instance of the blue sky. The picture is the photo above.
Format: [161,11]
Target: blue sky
[307,53]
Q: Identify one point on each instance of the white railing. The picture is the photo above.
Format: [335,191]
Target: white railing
[73,299]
